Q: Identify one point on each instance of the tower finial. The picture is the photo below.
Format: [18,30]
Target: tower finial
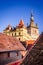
[31,13]
[32,17]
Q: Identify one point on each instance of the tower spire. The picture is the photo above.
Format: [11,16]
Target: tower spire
[32,20]
[32,17]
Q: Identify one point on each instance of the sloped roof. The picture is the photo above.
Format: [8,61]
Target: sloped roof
[30,42]
[29,47]
[9,27]
[21,24]
[9,43]
[35,55]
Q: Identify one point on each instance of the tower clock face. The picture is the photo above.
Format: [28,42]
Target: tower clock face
[34,31]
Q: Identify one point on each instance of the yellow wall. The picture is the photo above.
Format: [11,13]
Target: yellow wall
[20,33]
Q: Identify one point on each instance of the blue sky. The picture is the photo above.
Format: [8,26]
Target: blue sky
[11,11]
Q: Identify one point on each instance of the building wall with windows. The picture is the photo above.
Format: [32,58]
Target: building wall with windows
[19,33]
[23,33]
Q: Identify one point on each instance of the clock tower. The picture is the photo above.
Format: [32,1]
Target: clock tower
[33,28]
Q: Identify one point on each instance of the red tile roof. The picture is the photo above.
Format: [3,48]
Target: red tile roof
[39,39]
[30,42]
[9,43]
[21,24]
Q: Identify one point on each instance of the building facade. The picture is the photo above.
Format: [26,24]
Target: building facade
[22,32]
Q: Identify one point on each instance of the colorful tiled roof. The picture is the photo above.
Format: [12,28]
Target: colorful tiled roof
[21,24]
[30,42]
[9,43]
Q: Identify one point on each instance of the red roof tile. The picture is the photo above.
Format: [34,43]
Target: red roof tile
[10,43]
[21,24]
[30,42]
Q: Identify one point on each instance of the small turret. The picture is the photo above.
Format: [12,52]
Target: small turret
[36,25]
[21,24]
